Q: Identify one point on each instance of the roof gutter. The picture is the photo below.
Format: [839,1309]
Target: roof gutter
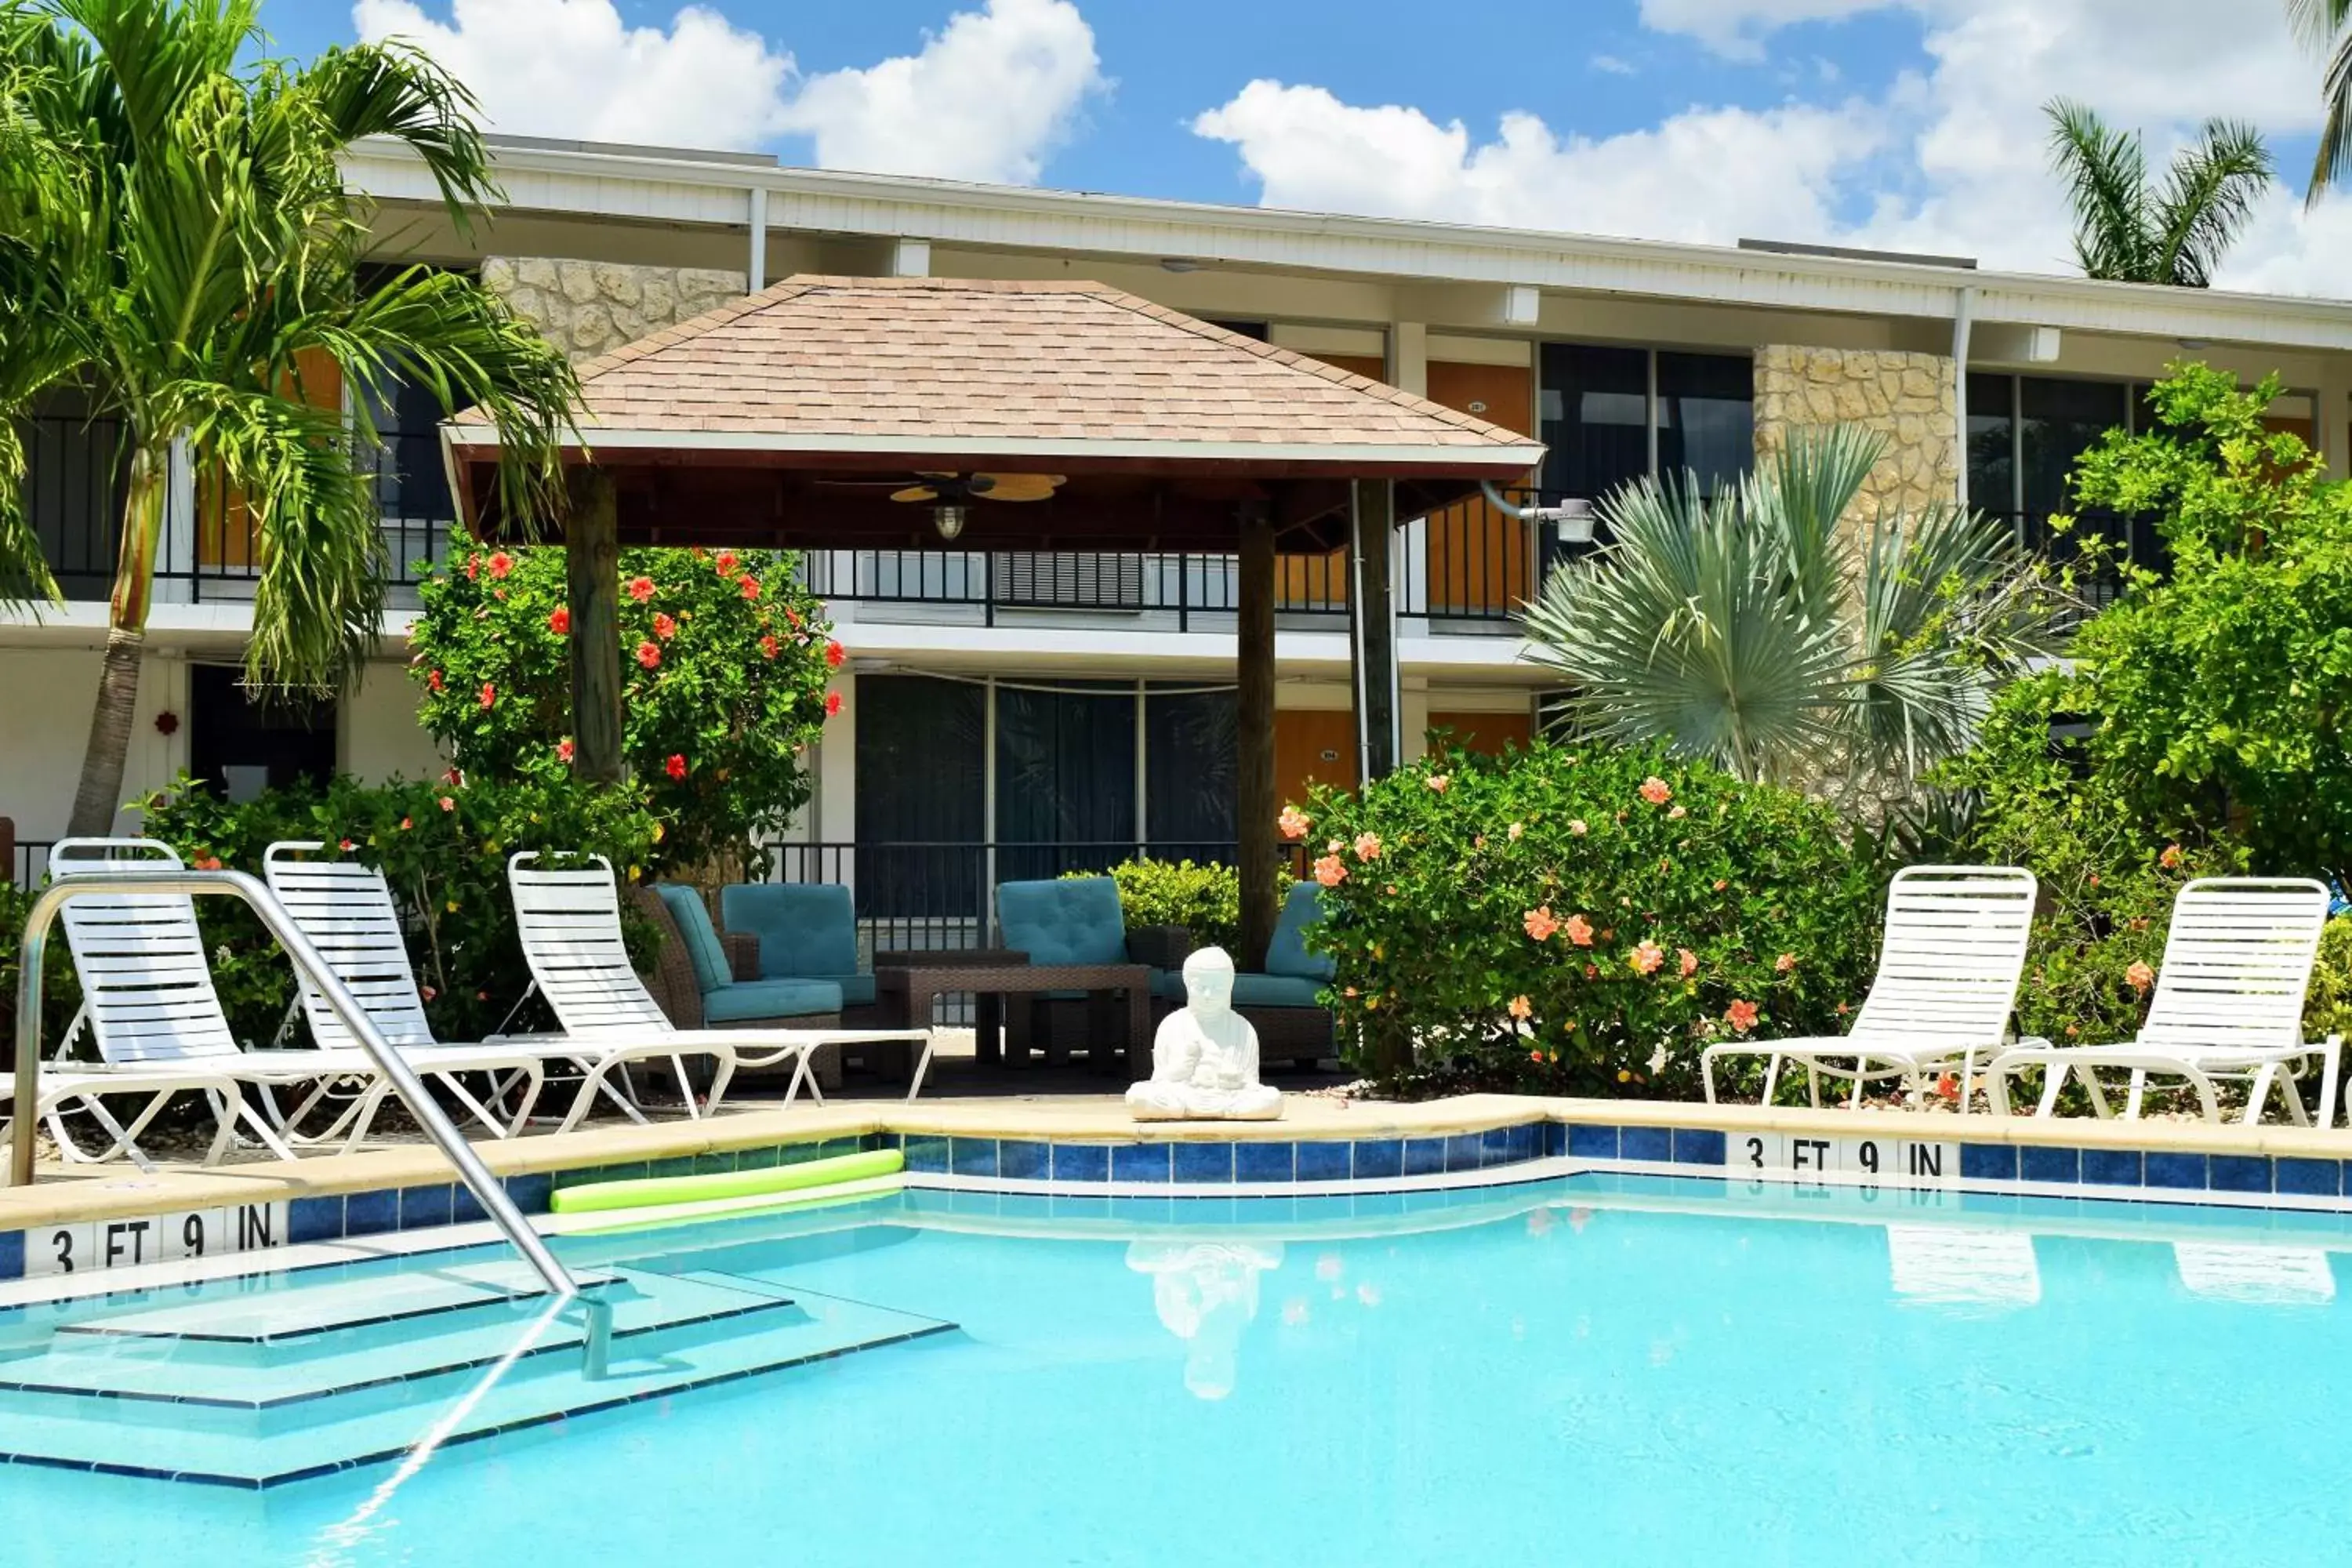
[1964,314]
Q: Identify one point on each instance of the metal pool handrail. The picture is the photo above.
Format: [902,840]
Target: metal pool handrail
[316,970]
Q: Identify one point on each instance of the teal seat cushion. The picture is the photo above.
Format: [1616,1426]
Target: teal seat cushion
[1072,922]
[1286,954]
[686,907]
[1168,983]
[805,929]
[857,990]
[770,999]
[1273,990]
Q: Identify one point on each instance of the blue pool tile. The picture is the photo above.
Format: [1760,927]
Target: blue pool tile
[677,1165]
[1589,1143]
[464,1208]
[1465,1151]
[1645,1143]
[882,1140]
[421,1207]
[1526,1141]
[531,1194]
[1325,1161]
[2238,1173]
[371,1214]
[2111,1167]
[796,1153]
[310,1219]
[1204,1162]
[1697,1146]
[1379,1158]
[1425,1156]
[2175,1170]
[1138,1162]
[718,1163]
[927,1153]
[2310,1178]
[1081,1161]
[834,1148]
[1256,1162]
[1494,1146]
[12,1254]
[1987,1163]
[971,1156]
[1023,1160]
[1555,1139]
[765,1157]
[2040,1162]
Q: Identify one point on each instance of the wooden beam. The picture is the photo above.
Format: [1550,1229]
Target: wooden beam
[1372,647]
[592,571]
[1255,787]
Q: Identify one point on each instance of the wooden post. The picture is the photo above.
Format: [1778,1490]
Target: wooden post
[1373,651]
[592,580]
[1255,802]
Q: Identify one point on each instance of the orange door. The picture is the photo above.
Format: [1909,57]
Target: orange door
[1486,733]
[1321,581]
[226,539]
[1481,561]
[1312,746]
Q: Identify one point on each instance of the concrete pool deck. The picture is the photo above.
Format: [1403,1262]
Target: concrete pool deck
[64,1195]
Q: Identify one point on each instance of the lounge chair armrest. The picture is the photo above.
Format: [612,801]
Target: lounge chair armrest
[742,953]
[1161,947]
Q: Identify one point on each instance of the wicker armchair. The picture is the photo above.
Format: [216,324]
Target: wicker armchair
[678,989]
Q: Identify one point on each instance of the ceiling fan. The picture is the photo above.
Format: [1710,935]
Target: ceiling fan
[950,495]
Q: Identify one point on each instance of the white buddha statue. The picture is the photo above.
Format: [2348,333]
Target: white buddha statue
[1204,1057]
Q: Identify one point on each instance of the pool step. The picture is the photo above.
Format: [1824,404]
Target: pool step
[345,1396]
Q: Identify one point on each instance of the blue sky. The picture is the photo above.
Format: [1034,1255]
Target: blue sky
[1910,123]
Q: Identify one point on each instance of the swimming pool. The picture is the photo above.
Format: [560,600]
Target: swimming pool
[1596,1368]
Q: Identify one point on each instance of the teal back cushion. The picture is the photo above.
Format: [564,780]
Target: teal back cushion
[1072,922]
[712,970]
[805,929]
[1286,954]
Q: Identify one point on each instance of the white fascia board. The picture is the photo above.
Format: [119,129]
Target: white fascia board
[1505,460]
[682,190]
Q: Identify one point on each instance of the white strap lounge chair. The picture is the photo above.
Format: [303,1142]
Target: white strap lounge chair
[148,1003]
[570,919]
[2228,1006]
[345,907]
[1949,969]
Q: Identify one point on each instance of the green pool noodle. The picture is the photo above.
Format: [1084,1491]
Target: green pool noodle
[652,1192]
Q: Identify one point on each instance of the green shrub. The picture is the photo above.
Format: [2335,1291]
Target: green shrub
[1205,899]
[442,847]
[724,664]
[1580,919]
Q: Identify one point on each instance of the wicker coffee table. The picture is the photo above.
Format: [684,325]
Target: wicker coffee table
[911,982]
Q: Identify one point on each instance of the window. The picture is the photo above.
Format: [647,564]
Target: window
[922,798]
[2025,434]
[242,744]
[1706,418]
[1064,778]
[1190,772]
[1608,412]
[77,478]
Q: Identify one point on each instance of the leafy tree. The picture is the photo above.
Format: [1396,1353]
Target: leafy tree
[725,660]
[2131,231]
[194,265]
[1753,629]
[2325,26]
[2220,692]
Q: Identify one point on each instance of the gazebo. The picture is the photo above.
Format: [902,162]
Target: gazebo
[887,413]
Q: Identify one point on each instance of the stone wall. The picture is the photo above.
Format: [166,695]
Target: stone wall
[589,307]
[1908,397]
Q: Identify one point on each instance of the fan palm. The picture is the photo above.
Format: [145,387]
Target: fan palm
[2135,231]
[1749,628]
[192,257]
[2326,27]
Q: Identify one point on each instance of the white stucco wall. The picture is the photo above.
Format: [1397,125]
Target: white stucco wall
[46,698]
[377,735]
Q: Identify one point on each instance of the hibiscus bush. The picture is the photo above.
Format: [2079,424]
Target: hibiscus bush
[1583,919]
[725,663]
[441,845]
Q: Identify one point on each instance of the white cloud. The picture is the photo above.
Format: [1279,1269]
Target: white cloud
[1613,65]
[1952,158]
[568,68]
[987,98]
[1700,176]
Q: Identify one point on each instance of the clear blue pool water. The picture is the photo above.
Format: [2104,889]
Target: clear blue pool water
[1593,1370]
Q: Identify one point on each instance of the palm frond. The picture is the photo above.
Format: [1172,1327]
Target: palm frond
[1801,498]
[2206,199]
[2105,172]
[2335,151]
[394,90]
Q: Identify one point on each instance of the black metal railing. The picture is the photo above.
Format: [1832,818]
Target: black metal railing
[30,861]
[2095,553]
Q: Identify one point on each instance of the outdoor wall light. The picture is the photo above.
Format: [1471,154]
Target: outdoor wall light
[948,520]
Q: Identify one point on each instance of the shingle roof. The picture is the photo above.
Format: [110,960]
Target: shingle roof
[1038,367]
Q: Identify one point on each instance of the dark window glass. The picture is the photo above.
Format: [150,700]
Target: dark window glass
[1993,445]
[1187,774]
[1245,329]
[2058,421]
[242,745]
[77,478]
[1706,418]
[1595,418]
[1065,780]
[410,481]
[921,798]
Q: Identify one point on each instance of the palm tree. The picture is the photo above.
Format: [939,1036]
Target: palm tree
[1748,627]
[2322,25]
[198,269]
[2177,232]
